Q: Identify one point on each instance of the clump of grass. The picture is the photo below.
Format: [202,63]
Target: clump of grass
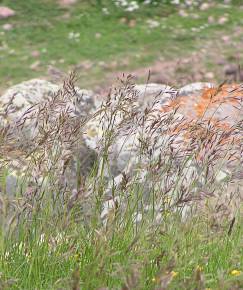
[162,224]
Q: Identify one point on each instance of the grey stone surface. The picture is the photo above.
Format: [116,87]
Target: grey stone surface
[123,150]
[21,97]
[151,91]
[28,93]
[123,153]
[194,88]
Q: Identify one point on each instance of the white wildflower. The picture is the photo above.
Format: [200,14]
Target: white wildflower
[132,6]
[105,11]
[126,5]
[153,23]
[175,2]
[74,36]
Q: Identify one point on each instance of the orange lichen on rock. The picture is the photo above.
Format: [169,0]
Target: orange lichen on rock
[216,97]
[222,103]
[212,117]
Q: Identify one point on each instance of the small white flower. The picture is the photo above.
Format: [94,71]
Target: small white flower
[132,6]
[153,23]
[105,11]
[175,2]
[121,3]
[74,36]
[126,5]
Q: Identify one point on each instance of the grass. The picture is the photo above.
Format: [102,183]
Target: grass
[54,233]
[55,237]
[123,256]
[105,42]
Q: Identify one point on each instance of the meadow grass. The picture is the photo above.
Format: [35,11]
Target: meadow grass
[53,237]
[122,257]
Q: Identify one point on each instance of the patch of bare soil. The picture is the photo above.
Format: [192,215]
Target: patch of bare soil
[215,61]
[66,3]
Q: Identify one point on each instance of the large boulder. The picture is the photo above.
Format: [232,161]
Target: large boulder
[212,115]
[20,97]
[194,89]
[148,93]
[197,101]
[122,151]
[189,157]
[30,109]
[204,101]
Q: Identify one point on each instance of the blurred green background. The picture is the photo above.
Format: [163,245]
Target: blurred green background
[178,41]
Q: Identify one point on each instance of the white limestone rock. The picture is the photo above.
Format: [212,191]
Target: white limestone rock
[124,147]
[29,93]
[194,88]
[149,92]
[21,97]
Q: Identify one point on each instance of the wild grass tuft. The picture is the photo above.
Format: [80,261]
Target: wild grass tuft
[165,223]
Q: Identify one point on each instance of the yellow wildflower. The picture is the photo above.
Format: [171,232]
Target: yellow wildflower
[173,274]
[166,213]
[76,256]
[235,273]
[167,199]
[199,268]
